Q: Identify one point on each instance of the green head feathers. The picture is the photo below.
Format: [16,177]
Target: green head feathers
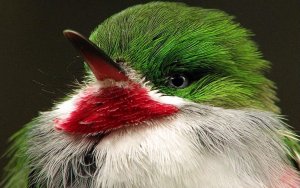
[215,53]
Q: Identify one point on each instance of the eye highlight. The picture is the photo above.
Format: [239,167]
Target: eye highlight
[178,81]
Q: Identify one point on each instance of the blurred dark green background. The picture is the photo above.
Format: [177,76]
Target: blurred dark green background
[38,65]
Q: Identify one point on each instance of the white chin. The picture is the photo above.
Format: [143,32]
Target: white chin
[201,146]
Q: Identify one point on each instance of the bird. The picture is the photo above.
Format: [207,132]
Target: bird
[174,96]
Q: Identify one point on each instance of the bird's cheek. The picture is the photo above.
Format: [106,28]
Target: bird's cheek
[113,108]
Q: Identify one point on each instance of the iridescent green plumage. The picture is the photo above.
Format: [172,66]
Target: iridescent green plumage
[160,39]
[16,170]
[165,38]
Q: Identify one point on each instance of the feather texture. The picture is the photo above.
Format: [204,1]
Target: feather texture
[201,145]
[226,132]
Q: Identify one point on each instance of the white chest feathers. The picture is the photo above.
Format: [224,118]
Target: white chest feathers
[201,146]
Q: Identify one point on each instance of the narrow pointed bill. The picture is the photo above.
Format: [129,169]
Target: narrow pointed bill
[102,66]
[109,108]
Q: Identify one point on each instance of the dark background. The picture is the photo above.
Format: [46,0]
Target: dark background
[37,65]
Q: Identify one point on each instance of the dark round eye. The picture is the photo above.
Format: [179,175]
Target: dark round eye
[178,81]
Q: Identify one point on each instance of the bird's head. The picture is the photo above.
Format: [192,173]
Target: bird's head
[174,96]
[147,61]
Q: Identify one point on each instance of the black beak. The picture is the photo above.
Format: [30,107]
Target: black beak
[102,66]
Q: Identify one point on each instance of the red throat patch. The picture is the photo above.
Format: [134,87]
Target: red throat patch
[113,108]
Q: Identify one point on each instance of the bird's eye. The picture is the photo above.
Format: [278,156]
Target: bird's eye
[178,81]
